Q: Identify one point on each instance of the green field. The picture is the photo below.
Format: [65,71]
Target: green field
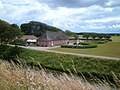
[85,65]
[88,66]
[111,49]
[116,38]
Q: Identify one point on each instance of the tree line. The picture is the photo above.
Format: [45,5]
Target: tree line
[12,32]
[96,35]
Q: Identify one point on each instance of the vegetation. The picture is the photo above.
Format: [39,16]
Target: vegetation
[69,33]
[96,35]
[10,53]
[79,46]
[17,77]
[100,42]
[110,49]
[37,28]
[100,68]
[94,66]
[116,38]
[9,33]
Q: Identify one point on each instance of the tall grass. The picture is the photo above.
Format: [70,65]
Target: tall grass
[85,65]
[22,77]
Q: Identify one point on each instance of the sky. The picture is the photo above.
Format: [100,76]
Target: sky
[101,16]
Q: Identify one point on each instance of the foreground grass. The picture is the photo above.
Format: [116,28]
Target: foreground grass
[101,68]
[110,49]
[17,77]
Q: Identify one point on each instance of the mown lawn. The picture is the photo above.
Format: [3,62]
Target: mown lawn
[116,38]
[111,49]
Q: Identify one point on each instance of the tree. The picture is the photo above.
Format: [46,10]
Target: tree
[100,36]
[86,35]
[15,26]
[8,32]
[37,28]
[107,37]
[69,33]
[76,36]
[93,35]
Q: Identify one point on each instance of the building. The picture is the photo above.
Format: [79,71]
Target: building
[30,39]
[52,39]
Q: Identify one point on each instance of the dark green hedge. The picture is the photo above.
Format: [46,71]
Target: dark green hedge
[9,53]
[100,42]
[79,46]
[84,43]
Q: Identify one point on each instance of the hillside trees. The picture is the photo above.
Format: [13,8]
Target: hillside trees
[8,32]
[37,28]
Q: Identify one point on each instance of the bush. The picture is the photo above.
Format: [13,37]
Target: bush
[84,43]
[9,53]
[18,42]
[100,42]
[81,46]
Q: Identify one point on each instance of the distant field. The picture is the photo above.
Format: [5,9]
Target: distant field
[116,38]
[111,49]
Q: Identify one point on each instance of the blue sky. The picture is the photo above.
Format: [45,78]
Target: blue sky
[102,16]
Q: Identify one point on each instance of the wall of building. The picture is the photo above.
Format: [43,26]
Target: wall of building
[52,42]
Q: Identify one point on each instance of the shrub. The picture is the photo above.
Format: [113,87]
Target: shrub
[100,42]
[84,43]
[81,46]
[18,42]
[9,53]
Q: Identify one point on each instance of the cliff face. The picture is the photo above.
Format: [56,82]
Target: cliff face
[37,28]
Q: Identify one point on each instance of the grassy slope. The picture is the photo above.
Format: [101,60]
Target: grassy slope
[108,49]
[85,65]
[16,77]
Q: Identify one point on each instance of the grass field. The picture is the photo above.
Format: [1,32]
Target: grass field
[116,38]
[89,67]
[60,62]
[111,49]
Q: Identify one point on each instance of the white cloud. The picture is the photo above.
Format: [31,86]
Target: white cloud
[114,26]
[1,6]
[15,12]
[104,20]
[113,3]
[93,17]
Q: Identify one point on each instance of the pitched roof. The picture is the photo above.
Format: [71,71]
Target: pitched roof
[29,37]
[53,36]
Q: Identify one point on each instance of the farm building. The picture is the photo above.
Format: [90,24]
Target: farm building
[52,39]
[30,39]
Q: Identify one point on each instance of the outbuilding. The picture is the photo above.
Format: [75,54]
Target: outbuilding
[30,39]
